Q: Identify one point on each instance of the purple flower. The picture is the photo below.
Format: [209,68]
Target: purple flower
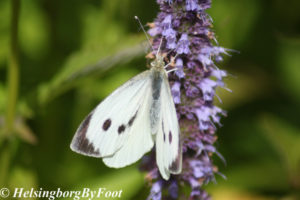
[208,88]
[183,44]
[205,60]
[169,1]
[179,65]
[155,193]
[173,190]
[191,5]
[166,24]
[171,38]
[176,92]
[207,115]
[184,28]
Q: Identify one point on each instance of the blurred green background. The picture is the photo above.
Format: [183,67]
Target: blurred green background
[74,53]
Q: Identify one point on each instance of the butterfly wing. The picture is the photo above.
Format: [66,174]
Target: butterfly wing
[118,129]
[168,146]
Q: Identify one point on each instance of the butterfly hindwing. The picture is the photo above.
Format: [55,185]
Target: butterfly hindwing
[113,128]
[168,147]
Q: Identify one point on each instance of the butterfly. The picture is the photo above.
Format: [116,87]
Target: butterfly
[127,124]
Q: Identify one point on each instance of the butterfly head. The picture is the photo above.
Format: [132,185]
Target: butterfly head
[158,63]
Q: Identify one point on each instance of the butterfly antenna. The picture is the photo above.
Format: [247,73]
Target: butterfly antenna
[140,23]
[158,50]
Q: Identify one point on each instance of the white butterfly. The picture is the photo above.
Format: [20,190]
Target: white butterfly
[123,127]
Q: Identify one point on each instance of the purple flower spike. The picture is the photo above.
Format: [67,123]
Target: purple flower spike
[184,29]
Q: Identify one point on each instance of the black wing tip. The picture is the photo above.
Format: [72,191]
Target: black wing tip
[83,146]
[80,143]
[175,167]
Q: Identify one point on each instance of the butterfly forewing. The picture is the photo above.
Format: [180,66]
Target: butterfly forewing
[115,121]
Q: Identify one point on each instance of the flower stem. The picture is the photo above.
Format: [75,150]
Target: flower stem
[13,69]
[4,168]
[12,94]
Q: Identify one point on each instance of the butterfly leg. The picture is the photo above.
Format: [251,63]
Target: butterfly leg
[171,70]
[172,60]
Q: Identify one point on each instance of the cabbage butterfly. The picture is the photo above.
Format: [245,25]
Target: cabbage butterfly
[125,126]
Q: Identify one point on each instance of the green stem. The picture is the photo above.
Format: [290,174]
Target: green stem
[13,69]
[6,142]
[4,168]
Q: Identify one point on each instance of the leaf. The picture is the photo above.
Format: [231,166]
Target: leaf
[289,70]
[22,178]
[246,87]
[104,44]
[228,193]
[259,175]
[286,139]
[34,44]
[68,79]
[227,17]
[128,179]
[24,131]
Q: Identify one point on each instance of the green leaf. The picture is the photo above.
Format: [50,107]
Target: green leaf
[129,180]
[246,87]
[266,175]
[289,70]
[87,66]
[22,107]
[34,37]
[286,139]
[227,17]
[23,178]
[105,44]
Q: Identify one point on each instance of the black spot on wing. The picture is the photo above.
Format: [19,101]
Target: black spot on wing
[81,143]
[170,137]
[121,129]
[163,129]
[132,119]
[106,124]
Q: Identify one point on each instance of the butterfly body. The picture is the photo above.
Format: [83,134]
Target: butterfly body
[125,126]
[158,74]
